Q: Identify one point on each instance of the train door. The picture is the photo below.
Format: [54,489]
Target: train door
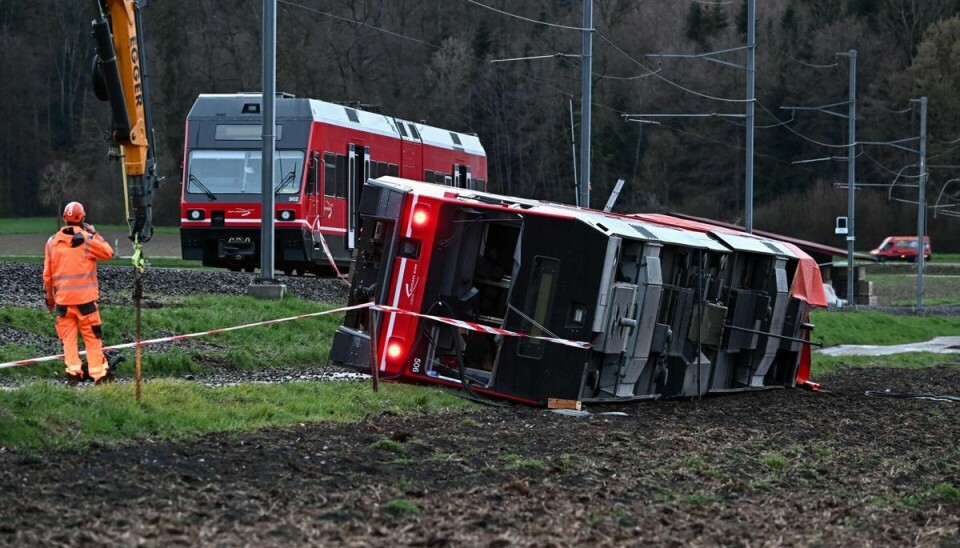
[462,177]
[314,190]
[358,169]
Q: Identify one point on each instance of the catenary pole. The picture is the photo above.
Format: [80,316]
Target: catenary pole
[269,137]
[585,107]
[751,91]
[922,206]
[851,173]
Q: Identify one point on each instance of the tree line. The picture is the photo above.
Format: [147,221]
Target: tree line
[433,60]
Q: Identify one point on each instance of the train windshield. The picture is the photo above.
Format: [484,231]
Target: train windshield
[238,172]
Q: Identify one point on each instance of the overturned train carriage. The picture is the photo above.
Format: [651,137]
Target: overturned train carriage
[670,308]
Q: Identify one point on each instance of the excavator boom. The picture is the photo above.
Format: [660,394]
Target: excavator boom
[120,78]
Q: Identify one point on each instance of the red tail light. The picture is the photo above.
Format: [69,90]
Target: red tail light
[421,216]
[395,349]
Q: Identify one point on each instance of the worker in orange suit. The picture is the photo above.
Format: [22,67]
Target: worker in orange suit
[71,289]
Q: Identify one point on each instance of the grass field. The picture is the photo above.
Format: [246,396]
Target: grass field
[44,225]
[900,289]
[291,344]
[42,414]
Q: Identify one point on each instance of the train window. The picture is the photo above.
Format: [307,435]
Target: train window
[352,114]
[447,180]
[539,302]
[341,176]
[456,138]
[393,170]
[414,132]
[381,169]
[400,128]
[428,176]
[329,174]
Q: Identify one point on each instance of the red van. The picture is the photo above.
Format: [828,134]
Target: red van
[901,248]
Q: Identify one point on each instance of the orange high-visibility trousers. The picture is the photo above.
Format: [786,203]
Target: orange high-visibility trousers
[70,320]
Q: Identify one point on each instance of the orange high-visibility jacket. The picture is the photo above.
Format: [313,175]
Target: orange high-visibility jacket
[70,266]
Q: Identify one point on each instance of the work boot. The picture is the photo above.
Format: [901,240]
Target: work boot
[74,380]
[113,359]
[106,379]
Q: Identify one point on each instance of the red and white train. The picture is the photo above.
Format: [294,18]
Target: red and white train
[324,154]
[611,307]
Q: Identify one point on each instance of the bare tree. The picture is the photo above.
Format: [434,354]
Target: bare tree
[58,182]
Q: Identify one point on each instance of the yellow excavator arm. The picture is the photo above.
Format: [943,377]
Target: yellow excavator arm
[120,78]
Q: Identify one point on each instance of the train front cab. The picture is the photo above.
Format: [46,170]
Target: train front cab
[669,312]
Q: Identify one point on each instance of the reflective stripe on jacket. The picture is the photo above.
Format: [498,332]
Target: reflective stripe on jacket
[70,266]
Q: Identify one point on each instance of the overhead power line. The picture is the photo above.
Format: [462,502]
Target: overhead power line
[409,38]
[665,79]
[527,19]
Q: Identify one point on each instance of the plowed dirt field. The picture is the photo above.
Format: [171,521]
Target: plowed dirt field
[785,467]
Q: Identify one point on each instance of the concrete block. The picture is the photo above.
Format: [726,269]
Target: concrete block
[267,292]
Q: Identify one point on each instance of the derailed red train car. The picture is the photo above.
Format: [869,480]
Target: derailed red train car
[664,307]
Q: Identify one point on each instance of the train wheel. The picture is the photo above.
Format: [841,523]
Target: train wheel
[287,271]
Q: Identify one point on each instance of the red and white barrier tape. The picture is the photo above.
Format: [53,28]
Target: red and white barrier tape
[190,335]
[483,328]
[326,250]
[383,308]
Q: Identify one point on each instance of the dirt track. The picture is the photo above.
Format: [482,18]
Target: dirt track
[778,467]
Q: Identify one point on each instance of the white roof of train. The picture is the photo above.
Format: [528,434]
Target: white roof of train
[613,223]
[382,124]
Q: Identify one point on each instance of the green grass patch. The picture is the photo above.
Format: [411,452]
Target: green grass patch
[289,344]
[775,461]
[515,461]
[41,415]
[42,225]
[946,492]
[697,499]
[867,327]
[898,286]
[401,507]
[387,444]
[946,257]
[907,360]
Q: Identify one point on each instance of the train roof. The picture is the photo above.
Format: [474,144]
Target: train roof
[236,106]
[635,227]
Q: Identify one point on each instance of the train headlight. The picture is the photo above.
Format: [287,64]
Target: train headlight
[285,215]
[195,214]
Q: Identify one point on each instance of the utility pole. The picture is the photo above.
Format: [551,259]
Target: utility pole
[851,159]
[851,172]
[585,106]
[748,114]
[922,207]
[751,100]
[265,289]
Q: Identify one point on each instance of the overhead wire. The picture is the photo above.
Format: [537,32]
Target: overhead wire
[798,134]
[527,19]
[410,38]
[651,72]
[665,79]
[811,65]
[890,171]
